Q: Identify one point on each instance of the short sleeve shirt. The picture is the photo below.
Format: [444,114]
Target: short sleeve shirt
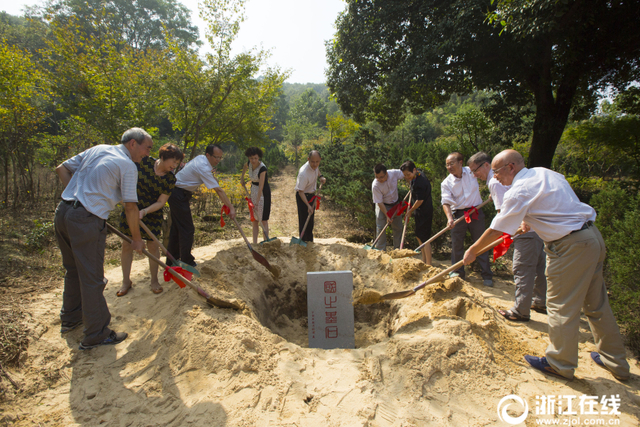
[387,192]
[103,176]
[460,193]
[546,202]
[496,189]
[307,179]
[197,172]
[421,190]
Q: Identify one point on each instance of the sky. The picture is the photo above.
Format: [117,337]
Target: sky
[293,30]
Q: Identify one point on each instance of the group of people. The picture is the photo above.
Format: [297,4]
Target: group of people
[558,251]
[537,200]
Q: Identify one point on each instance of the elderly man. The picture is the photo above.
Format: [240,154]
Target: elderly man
[544,201]
[528,252]
[95,181]
[460,192]
[385,196]
[198,171]
[308,176]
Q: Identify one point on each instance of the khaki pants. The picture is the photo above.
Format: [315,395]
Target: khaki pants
[574,282]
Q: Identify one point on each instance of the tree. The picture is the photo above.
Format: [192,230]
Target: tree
[391,57]
[219,99]
[23,94]
[100,79]
[141,23]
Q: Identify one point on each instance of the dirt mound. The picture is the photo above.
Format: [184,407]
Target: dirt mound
[440,357]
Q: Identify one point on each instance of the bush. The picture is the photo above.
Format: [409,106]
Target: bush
[619,220]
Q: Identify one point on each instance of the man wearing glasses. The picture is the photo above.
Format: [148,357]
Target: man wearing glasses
[543,200]
[198,171]
[529,259]
[460,193]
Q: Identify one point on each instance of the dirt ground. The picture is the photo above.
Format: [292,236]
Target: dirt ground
[443,357]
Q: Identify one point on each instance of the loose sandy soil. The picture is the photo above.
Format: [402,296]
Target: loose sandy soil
[443,357]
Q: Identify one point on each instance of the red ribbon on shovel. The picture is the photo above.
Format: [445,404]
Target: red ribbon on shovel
[399,207]
[317,199]
[251,208]
[181,271]
[225,210]
[471,214]
[502,248]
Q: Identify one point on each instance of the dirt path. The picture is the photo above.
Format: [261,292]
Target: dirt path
[330,222]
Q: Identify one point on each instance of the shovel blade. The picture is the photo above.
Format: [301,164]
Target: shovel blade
[367,247]
[296,241]
[262,260]
[188,268]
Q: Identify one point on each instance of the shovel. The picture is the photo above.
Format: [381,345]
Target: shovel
[212,301]
[373,245]
[373,297]
[266,235]
[295,240]
[173,260]
[406,222]
[444,230]
[262,260]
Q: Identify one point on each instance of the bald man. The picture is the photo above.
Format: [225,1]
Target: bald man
[543,200]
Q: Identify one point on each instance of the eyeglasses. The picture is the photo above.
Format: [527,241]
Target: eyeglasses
[476,169]
[497,171]
[217,157]
[451,164]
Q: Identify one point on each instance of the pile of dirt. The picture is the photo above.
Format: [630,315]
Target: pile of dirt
[443,356]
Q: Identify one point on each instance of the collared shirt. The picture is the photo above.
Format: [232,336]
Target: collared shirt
[461,192]
[387,192]
[307,179]
[102,176]
[546,202]
[198,171]
[496,189]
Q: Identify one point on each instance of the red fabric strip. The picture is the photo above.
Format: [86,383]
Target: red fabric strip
[184,273]
[470,214]
[251,208]
[502,248]
[225,210]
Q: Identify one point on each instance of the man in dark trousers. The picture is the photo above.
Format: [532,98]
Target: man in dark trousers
[306,184]
[95,181]
[422,206]
[197,172]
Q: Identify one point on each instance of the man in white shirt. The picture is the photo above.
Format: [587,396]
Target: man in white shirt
[95,181]
[385,196]
[308,176]
[544,201]
[460,192]
[197,172]
[529,259]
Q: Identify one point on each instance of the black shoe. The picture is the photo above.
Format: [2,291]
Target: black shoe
[69,326]
[113,338]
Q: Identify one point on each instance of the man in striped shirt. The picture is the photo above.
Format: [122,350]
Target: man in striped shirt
[95,181]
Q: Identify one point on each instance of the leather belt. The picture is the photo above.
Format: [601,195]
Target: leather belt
[74,203]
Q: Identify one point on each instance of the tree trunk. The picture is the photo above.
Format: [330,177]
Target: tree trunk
[552,110]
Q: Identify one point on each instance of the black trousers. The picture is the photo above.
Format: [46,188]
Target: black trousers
[303,213]
[182,229]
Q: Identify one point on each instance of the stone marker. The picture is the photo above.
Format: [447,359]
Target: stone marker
[330,309]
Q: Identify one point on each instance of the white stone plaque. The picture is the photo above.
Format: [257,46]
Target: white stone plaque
[330,309]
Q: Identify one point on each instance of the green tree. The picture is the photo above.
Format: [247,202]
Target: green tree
[100,79]
[141,23]
[388,58]
[23,96]
[220,98]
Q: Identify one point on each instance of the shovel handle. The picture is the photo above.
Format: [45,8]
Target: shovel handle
[309,216]
[458,264]
[155,239]
[406,222]
[373,245]
[160,263]
[444,230]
